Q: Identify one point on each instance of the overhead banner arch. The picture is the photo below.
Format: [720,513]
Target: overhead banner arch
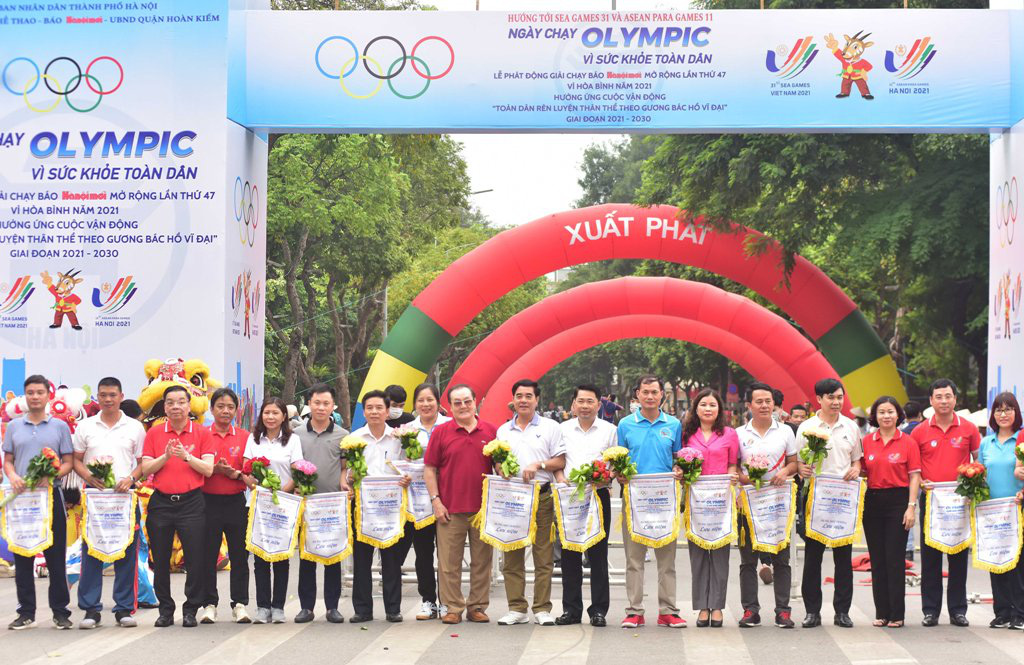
[617,231]
[743,326]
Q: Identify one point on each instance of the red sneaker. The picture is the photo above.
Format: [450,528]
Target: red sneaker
[671,621]
[633,621]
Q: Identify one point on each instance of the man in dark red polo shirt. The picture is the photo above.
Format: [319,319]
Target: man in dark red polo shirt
[946,441]
[179,456]
[454,469]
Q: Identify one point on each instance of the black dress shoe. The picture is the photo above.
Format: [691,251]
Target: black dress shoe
[304,616]
[567,619]
[393,618]
[702,623]
[812,620]
[843,620]
[959,620]
[598,620]
[164,620]
[360,618]
[189,621]
[930,620]
[334,616]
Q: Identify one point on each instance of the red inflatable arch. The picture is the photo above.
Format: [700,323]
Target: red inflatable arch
[539,360]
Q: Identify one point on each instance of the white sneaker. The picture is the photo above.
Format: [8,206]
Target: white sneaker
[262,615]
[427,612]
[442,610]
[208,614]
[277,616]
[512,618]
[240,614]
[544,619]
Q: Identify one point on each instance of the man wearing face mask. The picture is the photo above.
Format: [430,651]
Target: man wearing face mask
[397,415]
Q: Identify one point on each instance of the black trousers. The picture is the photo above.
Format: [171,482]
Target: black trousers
[887,545]
[185,515]
[56,556]
[307,585]
[810,586]
[572,570]
[267,596]
[931,578]
[1008,593]
[423,541]
[226,518]
[362,576]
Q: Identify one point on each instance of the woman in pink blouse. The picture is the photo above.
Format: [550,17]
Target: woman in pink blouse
[704,429]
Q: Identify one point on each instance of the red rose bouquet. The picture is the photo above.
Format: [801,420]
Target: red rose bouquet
[45,465]
[259,469]
[971,482]
[597,472]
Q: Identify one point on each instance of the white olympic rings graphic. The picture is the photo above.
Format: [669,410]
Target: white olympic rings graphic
[247,210]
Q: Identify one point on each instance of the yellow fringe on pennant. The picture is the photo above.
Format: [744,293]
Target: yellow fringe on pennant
[259,551]
[835,542]
[984,565]
[47,524]
[423,523]
[728,539]
[956,549]
[578,547]
[331,560]
[644,540]
[480,521]
[116,556]
[369,540]
[757,545]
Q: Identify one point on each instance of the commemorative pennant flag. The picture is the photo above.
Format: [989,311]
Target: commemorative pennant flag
[380,511]
[27,521]
[651,504]
[273,529]
[947,519]
[834,509]
[109,522]
[326,528]
[508,513]
[418,508]
[710,513]
[997,535]
[580,521]
[769,512]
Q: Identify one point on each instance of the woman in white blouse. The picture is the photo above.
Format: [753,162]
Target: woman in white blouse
[272,438]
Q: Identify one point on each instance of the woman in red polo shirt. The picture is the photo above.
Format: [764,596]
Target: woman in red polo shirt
[892,464]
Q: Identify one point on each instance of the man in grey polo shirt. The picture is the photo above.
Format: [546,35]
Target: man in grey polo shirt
[320,438]
[25,438]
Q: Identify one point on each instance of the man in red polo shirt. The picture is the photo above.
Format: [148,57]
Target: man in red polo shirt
[946,441]
[454,471]
[179,456]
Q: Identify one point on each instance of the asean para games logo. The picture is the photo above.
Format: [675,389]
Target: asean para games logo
[111,299]
[914,60]
[799,58]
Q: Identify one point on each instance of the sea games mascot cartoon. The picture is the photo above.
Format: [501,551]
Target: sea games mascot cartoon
[193,374]
[66,303]
[855,68]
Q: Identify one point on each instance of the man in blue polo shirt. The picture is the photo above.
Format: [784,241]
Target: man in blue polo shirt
[652,437]
[25,438]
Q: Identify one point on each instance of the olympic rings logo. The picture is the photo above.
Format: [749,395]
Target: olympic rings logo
[1006,211]
[247,209]
[350,65]
[54,85]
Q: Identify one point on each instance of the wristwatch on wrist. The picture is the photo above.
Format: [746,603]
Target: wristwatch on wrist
[911,504]
[435,498]
[544,466]
[188,457]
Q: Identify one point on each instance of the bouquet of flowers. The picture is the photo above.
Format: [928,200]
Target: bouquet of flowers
[971,482]
[501,455]
[352,448]
[304,475]
[102,468]
[816,449]
[409,436]
[597,472]
[618,459]
[1019,451]
[690,460]
[44,465]
[259,469]
[756,467]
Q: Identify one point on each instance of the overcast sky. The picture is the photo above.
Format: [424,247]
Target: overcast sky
[532,175]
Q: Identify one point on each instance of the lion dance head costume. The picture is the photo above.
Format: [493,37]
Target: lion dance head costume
[193,374]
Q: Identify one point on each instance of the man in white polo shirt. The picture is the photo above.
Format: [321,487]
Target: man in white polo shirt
[537,444]
[109,433]
[844,453]
[586,438]
[764,435]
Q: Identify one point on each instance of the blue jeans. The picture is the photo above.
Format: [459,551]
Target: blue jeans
[90,584]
